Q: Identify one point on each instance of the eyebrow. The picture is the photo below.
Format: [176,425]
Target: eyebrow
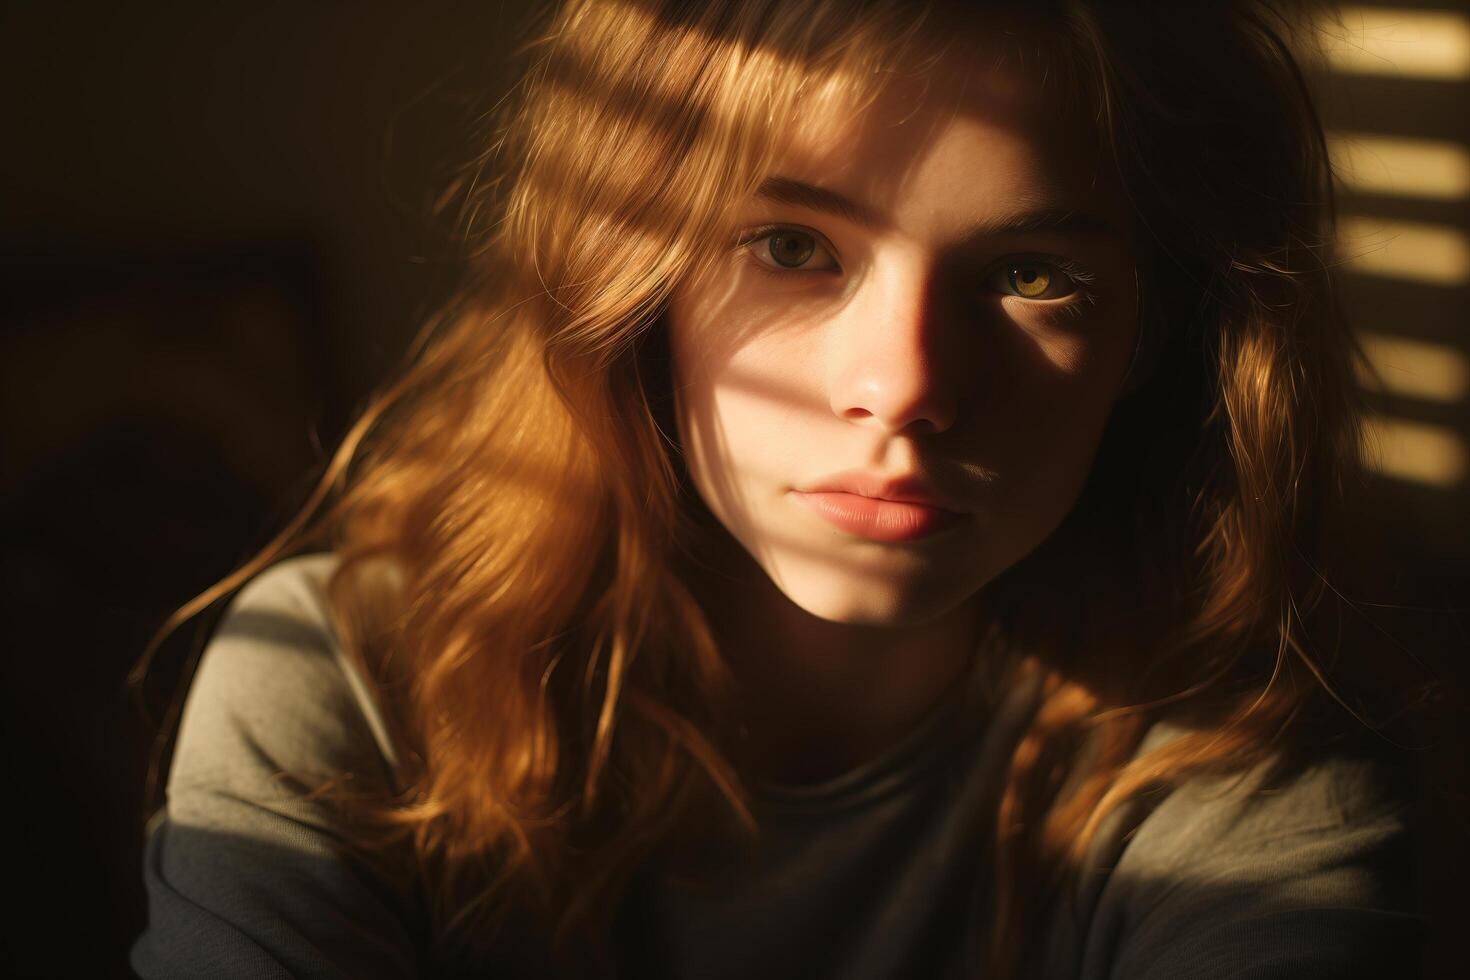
[788,190]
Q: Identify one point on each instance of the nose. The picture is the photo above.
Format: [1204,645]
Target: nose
[885,366]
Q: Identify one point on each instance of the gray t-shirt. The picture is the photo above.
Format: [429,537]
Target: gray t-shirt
[879,873]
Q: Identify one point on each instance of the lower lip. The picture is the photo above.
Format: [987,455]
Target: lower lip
[879,520]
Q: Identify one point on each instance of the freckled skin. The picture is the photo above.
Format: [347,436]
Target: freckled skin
[896,348]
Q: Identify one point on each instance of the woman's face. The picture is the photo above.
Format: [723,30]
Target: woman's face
[935,300]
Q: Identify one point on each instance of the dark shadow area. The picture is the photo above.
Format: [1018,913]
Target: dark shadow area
[216,239]
[154,425]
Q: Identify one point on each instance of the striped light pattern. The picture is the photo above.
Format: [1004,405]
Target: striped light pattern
[1415,451]
[1405,43]
[1397,167]
[1405,250]
[1415,368]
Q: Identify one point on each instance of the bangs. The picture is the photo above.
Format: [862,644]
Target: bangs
[647,123]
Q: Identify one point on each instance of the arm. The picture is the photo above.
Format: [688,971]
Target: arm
[244,878]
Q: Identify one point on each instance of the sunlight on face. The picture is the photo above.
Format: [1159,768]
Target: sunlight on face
[941,289]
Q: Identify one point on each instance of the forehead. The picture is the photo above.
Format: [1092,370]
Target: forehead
[977,132]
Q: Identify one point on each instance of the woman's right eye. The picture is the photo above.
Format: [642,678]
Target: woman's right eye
[790,250]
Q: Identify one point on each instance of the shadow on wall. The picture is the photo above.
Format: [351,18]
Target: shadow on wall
[1393,89]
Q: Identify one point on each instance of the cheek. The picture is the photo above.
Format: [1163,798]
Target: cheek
[702,429]
[742,378]
[734,408]
[694,409]
[736,417]
[1076,342]
[1051,400]
[1069,359]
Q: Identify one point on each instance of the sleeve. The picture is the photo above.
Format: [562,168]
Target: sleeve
[1311,880]
[244,877]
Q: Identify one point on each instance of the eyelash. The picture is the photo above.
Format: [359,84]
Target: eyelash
[1083,279]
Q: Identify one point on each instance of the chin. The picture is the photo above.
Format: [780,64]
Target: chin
[867,600]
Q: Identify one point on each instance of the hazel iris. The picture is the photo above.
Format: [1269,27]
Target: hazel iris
[791,249]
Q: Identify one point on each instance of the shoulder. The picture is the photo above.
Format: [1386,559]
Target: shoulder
[274,690]
[1311,874]
[246,871]
[1338,808]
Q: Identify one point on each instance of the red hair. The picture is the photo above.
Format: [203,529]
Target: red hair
[512,517]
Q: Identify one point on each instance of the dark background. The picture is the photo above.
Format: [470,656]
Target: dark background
[215,240]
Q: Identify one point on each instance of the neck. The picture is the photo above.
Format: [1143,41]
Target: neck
[818,697]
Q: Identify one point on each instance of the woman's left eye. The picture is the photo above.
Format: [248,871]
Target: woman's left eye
[1032,279]
[790,250]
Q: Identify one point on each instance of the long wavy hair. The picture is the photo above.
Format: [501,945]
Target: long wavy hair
[514,522]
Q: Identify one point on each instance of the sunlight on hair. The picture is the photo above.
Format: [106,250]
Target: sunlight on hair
[1415,368]
[1407,250]
[1415,451]
[1404,43]
[1401,167]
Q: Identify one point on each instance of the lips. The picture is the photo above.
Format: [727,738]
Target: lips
[878,507]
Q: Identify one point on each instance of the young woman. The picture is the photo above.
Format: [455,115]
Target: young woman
[863,520]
